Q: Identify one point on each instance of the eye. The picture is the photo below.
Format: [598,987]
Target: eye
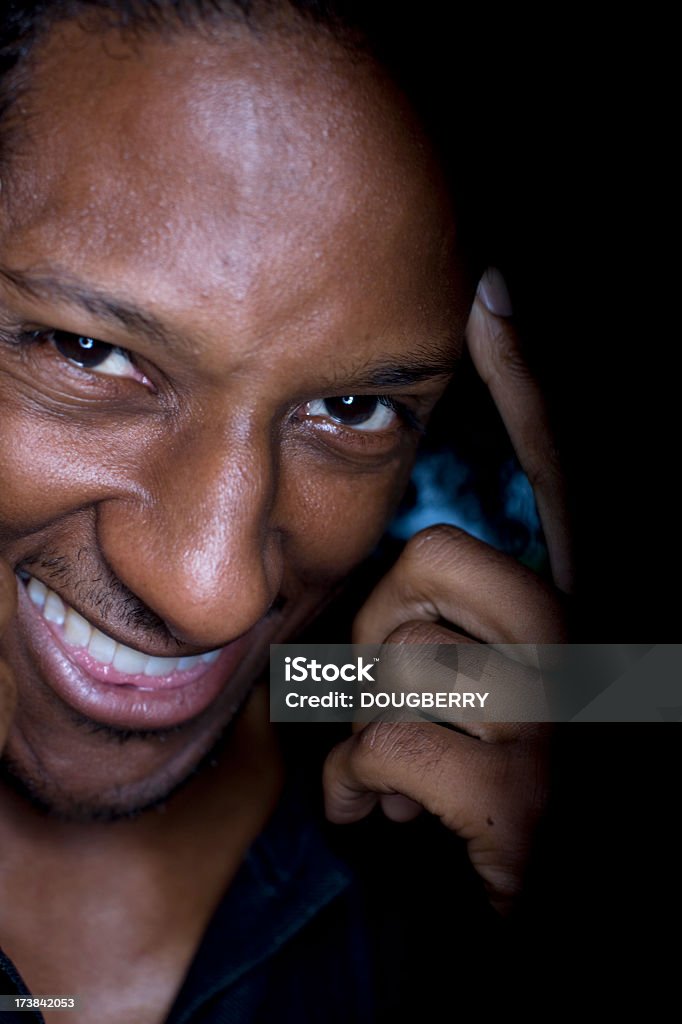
[91,354]
[361,412]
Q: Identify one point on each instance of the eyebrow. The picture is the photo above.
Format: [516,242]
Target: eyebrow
[105,307]
[387,371]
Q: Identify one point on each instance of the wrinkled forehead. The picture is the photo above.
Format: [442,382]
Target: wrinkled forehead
[212,154]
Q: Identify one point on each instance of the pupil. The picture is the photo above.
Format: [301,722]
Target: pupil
[351,409]
[87,352]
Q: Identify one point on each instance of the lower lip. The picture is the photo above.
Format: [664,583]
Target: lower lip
[154,704]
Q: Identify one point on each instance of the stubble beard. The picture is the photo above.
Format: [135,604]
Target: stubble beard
[119,802]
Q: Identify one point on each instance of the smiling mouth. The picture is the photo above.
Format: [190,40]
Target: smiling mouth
[104,657]
[112,684]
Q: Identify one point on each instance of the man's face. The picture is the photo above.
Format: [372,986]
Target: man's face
[201,241]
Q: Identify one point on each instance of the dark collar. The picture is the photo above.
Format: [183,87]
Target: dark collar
[288,875]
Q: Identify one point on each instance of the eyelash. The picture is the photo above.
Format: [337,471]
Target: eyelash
[405,414]
[24,338]
[42,336]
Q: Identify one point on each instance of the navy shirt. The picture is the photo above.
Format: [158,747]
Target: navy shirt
[293,911]
[330,925]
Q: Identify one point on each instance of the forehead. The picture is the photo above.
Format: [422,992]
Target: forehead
[241,168]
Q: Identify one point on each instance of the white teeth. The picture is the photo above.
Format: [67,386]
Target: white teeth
[37,591]
[186,663]
[54,610]
[79,633]
[102,648]
[160,666]
[129,661]
[76,630]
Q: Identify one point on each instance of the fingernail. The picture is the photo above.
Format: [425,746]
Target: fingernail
[493,292]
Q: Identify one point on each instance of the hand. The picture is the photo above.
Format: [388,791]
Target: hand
[8,598]
[488,783]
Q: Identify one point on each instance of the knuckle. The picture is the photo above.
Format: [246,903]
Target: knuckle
[430,542]
[415,632]
[446,549]
[395,742]
[492,732]
[377,740]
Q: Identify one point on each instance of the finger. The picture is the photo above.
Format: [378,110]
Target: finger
[456,777]
[400,808]
[444,573]
[491,795]
[514,690]
[496,352]
[388,758]
[395,806]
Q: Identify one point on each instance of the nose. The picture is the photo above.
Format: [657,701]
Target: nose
[193,540]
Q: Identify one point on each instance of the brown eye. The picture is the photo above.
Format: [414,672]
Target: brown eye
[90,354]
[361,412]
[87,352]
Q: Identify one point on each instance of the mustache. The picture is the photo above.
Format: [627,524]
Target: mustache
[100,589]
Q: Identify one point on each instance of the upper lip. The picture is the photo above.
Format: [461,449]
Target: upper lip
[179,651]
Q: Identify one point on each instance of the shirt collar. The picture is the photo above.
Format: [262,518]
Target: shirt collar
[288,875]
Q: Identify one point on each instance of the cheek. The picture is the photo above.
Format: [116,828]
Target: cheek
[333,520]
[51,467]
[36,474]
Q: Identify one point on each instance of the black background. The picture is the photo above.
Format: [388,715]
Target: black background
[580,181]
[567,113]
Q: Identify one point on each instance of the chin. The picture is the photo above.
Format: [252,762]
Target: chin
[108,774]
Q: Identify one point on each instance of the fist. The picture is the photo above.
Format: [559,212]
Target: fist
[487,783]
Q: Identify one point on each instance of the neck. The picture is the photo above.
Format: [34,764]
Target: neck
[210,822]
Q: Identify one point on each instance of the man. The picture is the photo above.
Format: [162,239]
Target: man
[233,288]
